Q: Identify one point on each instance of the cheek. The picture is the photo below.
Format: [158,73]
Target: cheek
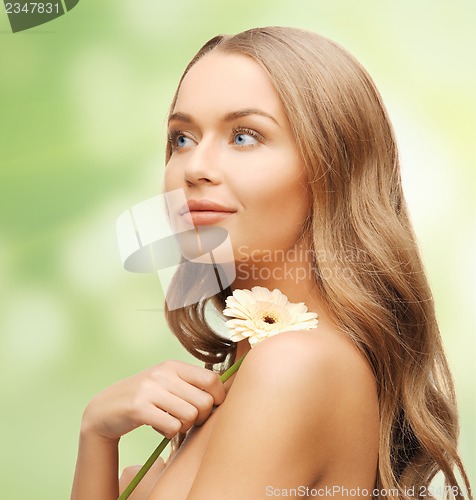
[282,191]
[171,180]
[277,206]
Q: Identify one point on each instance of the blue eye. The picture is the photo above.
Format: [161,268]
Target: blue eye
[181,141]
[245,137]
[178,140]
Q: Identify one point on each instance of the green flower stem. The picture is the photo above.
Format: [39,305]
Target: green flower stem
[144,469]
[156,453]
[232,370]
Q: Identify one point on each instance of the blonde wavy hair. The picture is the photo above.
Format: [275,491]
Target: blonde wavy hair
[359,221]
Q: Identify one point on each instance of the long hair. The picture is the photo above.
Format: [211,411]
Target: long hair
[368,268]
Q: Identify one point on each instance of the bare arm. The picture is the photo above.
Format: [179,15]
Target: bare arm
[96,475]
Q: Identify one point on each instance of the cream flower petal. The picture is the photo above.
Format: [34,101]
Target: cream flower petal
[279,298]
[237,337]
[244,297]
[261,293]
[236,312]
[235,304]
[260,313]
[308,316]
[239,304]
[299,308]
[306,325]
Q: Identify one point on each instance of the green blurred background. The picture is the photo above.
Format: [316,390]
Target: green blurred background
[83,102]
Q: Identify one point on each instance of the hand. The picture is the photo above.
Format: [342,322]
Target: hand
[170,397]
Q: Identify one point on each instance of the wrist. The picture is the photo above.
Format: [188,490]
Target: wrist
[89,431]
[89,434]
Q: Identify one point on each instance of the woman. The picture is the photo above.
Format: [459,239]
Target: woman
[279,136]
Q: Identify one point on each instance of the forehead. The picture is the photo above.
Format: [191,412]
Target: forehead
[227,82]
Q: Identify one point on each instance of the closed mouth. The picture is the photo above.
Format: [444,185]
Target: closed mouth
[204,206]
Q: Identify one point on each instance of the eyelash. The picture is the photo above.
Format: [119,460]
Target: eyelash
[247,131]
[174,134]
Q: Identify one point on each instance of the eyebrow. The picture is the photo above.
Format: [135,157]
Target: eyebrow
[227,117]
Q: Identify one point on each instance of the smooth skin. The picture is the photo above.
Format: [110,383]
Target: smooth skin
[302,410]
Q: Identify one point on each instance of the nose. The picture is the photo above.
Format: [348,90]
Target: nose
[202,166]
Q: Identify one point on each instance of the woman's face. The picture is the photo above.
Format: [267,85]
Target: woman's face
[234,156]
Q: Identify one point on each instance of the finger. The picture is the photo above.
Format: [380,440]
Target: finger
[203,379]
[199,399]
[179,407]
[161,421]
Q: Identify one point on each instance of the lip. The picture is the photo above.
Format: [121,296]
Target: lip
[204,212]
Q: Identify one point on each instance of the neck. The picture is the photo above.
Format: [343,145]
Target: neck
[292,272]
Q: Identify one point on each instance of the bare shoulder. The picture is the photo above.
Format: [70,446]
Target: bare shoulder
[314,364]
[302,402]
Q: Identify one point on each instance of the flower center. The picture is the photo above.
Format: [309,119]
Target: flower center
[269,319]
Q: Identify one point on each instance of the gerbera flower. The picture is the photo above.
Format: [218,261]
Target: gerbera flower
[260,313]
